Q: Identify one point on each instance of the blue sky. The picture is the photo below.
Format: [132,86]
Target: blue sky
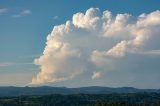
[24,26]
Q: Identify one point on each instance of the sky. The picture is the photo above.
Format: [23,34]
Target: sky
[77,43]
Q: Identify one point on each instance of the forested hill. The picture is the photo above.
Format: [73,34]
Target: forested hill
[44,90]
[115,99]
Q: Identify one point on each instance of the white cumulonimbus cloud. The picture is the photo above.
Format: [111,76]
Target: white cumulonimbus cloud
[94,41]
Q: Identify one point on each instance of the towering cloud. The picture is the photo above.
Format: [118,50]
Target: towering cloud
[97,41]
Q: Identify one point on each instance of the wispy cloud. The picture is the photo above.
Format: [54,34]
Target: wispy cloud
[23,13]
[96,75]
[3,10]
[149,52]
[56,17]
[5,64]
[153,52]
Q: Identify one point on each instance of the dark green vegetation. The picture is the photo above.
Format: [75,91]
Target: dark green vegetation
[114,99]
[84,96]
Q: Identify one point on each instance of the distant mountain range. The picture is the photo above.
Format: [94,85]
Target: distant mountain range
[44,90]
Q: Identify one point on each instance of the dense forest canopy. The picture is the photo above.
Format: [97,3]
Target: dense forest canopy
[115,99]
